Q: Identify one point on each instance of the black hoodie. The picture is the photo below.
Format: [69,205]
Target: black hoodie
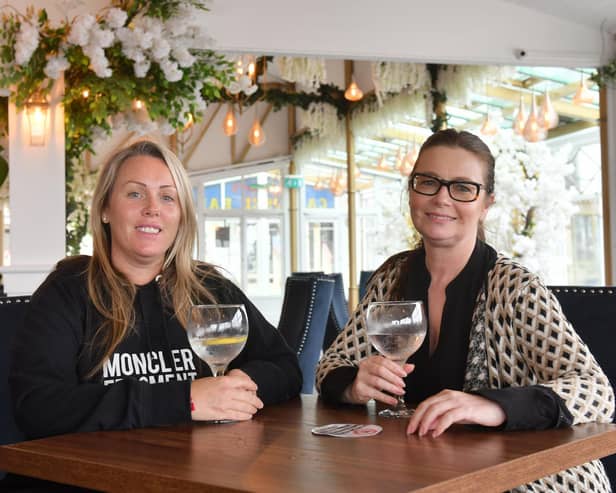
[146,381]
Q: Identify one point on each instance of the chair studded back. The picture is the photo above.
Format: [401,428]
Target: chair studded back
[339,309]
[12,311]
[303,319]
[592,312]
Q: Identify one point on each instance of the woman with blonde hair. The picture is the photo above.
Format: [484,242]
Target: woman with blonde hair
[103,344]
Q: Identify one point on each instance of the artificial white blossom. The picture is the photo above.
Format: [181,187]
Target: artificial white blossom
[458,82]
[98,61]
[183,56]
[308,72]
[234,87]
[80,30]
[160,49]
[395,77]
[55,66]
[141,68]
[171,70]
[247,85]
[101,38]
[116,18]
[26,43]
[533,202]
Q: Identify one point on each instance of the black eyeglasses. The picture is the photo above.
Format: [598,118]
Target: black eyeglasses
[460,191]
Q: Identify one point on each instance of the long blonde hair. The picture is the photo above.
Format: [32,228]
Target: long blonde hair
[110,291]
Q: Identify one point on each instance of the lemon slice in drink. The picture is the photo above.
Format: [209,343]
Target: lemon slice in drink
[219,341]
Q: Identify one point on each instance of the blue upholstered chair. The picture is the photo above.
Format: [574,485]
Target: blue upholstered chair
[364,275]
[339,309]
[338,312]
[303,319]
[592,312]
[12,311]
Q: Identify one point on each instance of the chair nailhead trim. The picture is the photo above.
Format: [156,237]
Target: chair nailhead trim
[313,290]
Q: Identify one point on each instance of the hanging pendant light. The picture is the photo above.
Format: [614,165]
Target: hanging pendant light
[229,124]
[256,136]
[406,167]
[353,92]
[398,159]
[533,131]
[548,118]
[582,94]
[488,127]
[337,184]
[381,164]
[520,118]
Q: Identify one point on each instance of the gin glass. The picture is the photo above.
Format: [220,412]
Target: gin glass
[396,329]
[217,334]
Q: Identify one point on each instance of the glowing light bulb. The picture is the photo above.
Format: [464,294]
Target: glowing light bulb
[533,131]
[229,124]
[548,118]
[488,127]
[256,136]
[520,119]
[353,92]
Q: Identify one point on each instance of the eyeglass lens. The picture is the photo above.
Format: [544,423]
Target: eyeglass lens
[462,191]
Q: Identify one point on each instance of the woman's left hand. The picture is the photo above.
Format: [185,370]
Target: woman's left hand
[439,412]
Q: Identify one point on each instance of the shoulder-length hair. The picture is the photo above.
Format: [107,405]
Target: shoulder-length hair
[110,291]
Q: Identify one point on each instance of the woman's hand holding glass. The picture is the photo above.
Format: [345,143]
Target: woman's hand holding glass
[229,397]
[217,334]
[377,378]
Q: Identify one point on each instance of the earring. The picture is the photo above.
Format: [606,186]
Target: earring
[105,218]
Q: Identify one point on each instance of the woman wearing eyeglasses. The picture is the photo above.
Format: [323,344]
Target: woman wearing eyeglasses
[499,351]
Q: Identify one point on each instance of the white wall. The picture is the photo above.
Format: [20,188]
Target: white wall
[475,31]
[447,31]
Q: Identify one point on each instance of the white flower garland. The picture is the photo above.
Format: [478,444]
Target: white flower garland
[326,128]
[460,81]
[308,72]
[373,119]
[394,77]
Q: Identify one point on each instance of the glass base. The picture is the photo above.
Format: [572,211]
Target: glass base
[219,421]
[403,412]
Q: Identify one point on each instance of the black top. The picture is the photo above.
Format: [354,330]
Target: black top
[146,381]
[446,367]
[529,407]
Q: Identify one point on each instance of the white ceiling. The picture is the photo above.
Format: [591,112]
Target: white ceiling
[593,13]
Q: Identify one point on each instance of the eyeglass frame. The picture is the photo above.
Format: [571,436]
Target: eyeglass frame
[447,184]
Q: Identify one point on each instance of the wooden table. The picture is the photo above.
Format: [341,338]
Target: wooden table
[275,452]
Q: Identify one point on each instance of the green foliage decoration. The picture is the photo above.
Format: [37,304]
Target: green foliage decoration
[169,100]
[605,75]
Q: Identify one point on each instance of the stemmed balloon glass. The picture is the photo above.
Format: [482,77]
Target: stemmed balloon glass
[217,333]
[396,329]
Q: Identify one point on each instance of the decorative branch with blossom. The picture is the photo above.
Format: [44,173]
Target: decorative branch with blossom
[533,202]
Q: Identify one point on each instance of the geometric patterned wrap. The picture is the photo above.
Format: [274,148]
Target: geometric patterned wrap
[519,336]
